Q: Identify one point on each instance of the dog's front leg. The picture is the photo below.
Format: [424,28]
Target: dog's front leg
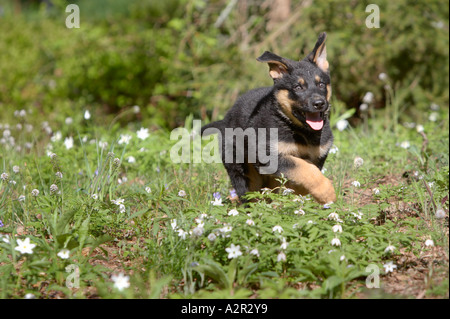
[306,178]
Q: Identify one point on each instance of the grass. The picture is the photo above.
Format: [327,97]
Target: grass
[117,204]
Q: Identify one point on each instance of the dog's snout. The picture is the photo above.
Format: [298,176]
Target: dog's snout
[319,103]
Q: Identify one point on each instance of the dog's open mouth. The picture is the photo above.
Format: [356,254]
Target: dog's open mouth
[314,119]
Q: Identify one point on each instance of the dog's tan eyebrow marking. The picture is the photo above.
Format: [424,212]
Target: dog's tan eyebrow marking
[286,106]
[301,81]
[328,92]
[317,78]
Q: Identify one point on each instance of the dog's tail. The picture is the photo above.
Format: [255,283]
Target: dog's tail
[219,126]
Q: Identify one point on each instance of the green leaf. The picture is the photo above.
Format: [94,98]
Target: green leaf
[64,220]
[214,270]
[83,232]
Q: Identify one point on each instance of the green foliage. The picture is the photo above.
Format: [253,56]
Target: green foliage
[168,58]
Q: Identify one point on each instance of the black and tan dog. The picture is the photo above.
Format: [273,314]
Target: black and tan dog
[295,112]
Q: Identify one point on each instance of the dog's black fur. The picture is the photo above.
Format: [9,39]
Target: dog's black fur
[297,105]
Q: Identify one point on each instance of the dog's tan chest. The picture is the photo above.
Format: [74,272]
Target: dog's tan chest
[308,152]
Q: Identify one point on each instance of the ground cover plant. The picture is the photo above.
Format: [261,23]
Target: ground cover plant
[110,203]
[93,206]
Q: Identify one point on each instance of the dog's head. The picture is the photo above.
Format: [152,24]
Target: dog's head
[302,88]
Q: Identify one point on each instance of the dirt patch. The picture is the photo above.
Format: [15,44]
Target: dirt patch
[417,276]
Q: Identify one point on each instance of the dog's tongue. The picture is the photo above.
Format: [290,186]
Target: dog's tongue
[314,120]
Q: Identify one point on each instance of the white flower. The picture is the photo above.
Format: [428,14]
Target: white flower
[281,257]
[122,208]
[389,249]
[333,150]
[94,196]
[226,229]
[337,228]
[5,238]
[278,229]
[335,242]
[212,237]
[29,296]
[383,76]
[6,133]
[64,254]
[124,139]
[68,142]
[333,216]
[356,184]
[358,162]
[182,234]
[59,175]
[368,98]
[142,133]
[136,109]
[342,258]
[254,252]
[341,125]
[440,213]
[284,243]
[357,215]
[121,281]
[375,191]
[56,137]
[16,169]
[131,159]
[118,202]
[434,107]
[250,222]
[21,198]
[363,107]
[389,267]
[4,176]
[181,193]
[429,243]
[405,144]
[420,128]
[233,212]
[148,189]
[103,144]
[217,202]
[68,120]
[53,189]
[288,191]
[87,115]
[35,192]
[198,231]
[299,212]
[173,224]
[433,116]
[200,222]
[24,246]
[233,251]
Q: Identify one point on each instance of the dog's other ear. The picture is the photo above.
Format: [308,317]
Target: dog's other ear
[277,65]
[319,55]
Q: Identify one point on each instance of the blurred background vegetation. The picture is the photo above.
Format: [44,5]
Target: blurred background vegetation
[179,57]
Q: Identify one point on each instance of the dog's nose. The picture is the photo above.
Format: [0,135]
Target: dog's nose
[319,103]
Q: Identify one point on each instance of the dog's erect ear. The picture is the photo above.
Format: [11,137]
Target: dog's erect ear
[319,55]
[277,65]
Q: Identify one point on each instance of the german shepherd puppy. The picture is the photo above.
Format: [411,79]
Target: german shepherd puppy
[293,114]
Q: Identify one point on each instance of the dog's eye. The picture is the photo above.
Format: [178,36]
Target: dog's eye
[321,85]
[298,87]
